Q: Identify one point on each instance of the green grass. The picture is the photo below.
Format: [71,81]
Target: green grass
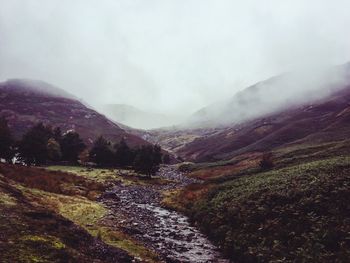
[89,214]
[106,176]
[33,189]
[298,213]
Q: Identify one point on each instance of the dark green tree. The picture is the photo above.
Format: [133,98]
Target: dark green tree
[124,155]
[54,150]
[6,141]
[147,159]
[71,146]
[157,154]
[57,134]
[33,146]
[101,153]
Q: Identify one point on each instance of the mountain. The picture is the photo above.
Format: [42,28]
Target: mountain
[136,118]
[322,121]
[267,115]
[275,94]
[27,102]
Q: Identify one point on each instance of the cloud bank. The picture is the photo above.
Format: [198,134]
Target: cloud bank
[169,56]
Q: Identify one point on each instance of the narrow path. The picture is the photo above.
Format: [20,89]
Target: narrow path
[167,232]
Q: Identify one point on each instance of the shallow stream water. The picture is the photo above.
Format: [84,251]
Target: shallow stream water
[167,232]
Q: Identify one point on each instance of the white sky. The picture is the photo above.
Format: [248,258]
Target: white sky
[170,56]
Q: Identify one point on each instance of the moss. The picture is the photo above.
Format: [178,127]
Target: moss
[104,176]
[7,200]
[296,213]
[121,240]
[54,242]
[89,215]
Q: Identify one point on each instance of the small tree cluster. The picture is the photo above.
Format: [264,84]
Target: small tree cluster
[6,141]
[42,144]
[145,159]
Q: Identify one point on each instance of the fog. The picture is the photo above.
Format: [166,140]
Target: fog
[171,57]
[304,87]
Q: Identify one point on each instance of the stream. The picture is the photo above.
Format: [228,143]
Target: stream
[167,232]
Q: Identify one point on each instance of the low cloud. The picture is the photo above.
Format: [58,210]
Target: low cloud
[167,56]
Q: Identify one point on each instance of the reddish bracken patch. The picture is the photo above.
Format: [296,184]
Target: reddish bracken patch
[50,181]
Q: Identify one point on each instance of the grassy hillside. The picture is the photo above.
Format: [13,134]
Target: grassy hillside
[54,216]
[322,121]
[296,212]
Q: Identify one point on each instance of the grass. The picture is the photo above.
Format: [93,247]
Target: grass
[105,176]
[61,192]
[293,213]
[296,212]
[7,200]
[50,240]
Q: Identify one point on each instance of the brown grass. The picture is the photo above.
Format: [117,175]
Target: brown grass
[51,181]
[249,161]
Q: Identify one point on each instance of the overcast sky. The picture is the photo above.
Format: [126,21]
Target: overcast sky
[167,55]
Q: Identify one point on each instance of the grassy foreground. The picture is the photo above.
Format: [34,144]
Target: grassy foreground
[47,215]
[297,212]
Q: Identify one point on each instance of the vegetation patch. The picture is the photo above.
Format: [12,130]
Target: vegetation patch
[50,240]
[7,200]
[299,213]
[108,176]
[51,181]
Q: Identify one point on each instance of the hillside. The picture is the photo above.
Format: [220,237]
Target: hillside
[275,94]
[24,103]
[271,113]
[322,121]
[295,212]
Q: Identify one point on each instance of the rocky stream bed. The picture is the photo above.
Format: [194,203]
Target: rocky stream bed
[170,234]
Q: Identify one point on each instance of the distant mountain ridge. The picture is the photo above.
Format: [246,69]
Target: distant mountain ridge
[136,118]
[35,86]
[248,123]
[271,95]
[27,102]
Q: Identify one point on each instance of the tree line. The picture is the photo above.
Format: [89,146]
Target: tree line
[42,144]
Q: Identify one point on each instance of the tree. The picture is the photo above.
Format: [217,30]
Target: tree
[157,154]
[84,157]
[33,146]
[101,152]
[71,146]
[57,134]
[53,150]
[6,141]
[266,162]
[147,159]
[124,156]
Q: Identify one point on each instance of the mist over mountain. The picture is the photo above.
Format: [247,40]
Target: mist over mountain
[32,86]
[136,118]
[189,131]
[25,102]
[274,94]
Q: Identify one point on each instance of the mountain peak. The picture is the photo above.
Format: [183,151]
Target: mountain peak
[35,86]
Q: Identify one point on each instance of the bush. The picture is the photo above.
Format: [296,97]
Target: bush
[266,162]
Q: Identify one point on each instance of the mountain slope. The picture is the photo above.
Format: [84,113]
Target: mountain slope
[318,122]
[24,103]
[272,95]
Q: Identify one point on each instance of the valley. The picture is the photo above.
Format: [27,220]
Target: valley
[174,131]
[270,188]
[116,207]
